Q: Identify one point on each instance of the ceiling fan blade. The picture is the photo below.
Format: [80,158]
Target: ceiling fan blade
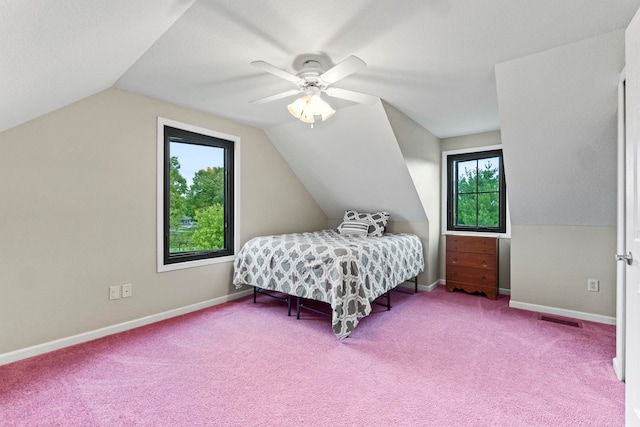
[343,69]
[276,96]
[277,71]
[349,95]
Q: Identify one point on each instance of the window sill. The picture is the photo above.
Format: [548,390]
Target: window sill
[506,235]
[191,264]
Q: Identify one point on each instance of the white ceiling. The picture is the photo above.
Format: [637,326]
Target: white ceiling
[431,59]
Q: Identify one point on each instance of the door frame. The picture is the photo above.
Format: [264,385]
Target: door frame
[619,359]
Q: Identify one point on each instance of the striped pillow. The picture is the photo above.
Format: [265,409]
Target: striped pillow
[354,228]
[377,220]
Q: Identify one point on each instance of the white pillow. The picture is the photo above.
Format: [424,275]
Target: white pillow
[354,228]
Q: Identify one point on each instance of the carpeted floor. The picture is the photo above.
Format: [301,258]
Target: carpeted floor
[435,359]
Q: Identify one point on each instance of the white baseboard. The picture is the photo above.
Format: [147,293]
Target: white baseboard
[598,318]
[553,310]
[14,356]
[431,287]
[426,288]
[618,368]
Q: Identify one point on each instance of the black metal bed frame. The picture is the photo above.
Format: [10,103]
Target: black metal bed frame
[269,293]
[300,305]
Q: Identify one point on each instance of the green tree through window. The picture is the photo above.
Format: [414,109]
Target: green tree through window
[177,192]
[476,199]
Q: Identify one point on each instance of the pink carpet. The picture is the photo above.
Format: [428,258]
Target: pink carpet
[435,359]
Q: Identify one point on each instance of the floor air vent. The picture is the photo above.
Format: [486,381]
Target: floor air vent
[560,320]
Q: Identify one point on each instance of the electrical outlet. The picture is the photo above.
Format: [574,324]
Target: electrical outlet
[114,292]
[127,290]
[593,285]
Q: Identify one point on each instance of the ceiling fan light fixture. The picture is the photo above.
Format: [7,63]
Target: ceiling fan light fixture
[307,117]
[315,104]
[297,107]
[326,111]
[307,107]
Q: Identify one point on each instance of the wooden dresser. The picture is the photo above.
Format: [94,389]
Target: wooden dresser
[472,264]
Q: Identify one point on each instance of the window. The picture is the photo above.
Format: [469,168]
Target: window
[196,196]
[476,192]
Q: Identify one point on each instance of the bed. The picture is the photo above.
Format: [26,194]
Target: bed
[346,270]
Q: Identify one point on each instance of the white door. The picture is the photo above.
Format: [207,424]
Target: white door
[632,232]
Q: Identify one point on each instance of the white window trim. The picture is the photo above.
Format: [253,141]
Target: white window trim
[444,191]
[162,267]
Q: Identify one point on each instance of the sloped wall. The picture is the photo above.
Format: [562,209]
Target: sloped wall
[79,214]
[421,151]
[356,161]
[350,162]
[558,120]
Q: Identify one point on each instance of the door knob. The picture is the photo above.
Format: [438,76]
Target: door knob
[628,258]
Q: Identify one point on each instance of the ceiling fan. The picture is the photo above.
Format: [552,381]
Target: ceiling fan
[311,80]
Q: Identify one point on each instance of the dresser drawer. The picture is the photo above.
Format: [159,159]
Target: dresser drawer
[472,244]
[477,276]
[471,259]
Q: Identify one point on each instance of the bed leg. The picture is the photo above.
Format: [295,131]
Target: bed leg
[298,308]
[415,281]
[388,300]
[255,291]
[288,305]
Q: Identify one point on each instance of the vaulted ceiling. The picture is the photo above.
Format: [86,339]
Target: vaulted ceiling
[433,60]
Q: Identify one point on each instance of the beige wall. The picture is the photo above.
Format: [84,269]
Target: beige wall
[553,264]
[504,258]
[558,112]
[472,141]
[78,215]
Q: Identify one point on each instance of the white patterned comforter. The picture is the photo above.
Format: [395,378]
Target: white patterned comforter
[348,272]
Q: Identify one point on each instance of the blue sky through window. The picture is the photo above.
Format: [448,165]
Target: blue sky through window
[194,157]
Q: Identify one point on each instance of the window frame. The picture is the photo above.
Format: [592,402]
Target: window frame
[166,261]
[447,180]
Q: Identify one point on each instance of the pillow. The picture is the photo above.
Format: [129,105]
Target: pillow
[377,221]
[354,228]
